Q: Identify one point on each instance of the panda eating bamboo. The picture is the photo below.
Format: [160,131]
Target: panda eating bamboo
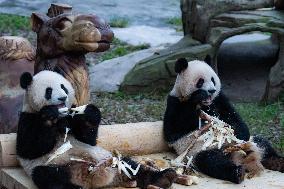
[197,92]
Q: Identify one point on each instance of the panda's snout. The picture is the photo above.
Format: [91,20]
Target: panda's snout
[63,99]
[211,91]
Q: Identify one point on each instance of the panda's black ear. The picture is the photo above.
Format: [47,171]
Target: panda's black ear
[25,80]
[181,64]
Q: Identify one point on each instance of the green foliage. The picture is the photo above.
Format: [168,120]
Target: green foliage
[266,120]
[119,22]
[13,23]
[120,49]
[176,21]
[261,115]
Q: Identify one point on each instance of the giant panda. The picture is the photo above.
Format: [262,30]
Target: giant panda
[42,131]
[197,87]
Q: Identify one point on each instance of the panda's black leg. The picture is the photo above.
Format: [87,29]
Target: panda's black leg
[52,177]
[216,164]
[85,126]
[270,160]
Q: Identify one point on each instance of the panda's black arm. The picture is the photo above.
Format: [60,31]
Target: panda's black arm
[180,119]
[85,126]
[229,115]
[36,136]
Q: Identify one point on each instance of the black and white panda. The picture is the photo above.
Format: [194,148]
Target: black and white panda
[197,88]
[41,132]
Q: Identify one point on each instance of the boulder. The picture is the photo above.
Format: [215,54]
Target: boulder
[157,71]
[108,75]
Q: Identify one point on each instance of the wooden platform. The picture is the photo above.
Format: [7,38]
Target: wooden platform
[15,178]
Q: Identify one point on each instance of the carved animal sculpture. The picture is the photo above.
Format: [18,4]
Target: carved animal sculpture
[63,39]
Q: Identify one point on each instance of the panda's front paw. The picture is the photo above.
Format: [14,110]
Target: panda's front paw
[93,114]
[49,113]
[198,96]
[90,114]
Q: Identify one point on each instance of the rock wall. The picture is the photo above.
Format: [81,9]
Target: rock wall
[196,14]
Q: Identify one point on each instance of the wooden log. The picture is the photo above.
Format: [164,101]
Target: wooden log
[133,138]
[128,139]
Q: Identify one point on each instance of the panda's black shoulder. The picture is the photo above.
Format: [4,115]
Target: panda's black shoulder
[173,101]
[33,139]
[27,118]
[171,109]
[221,99]
[180,119]
[222,104]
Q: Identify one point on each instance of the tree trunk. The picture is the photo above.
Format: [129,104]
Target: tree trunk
[275,84]
[279,4]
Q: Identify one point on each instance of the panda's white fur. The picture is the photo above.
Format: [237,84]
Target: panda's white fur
[185,83]
[78,149]
[34,98]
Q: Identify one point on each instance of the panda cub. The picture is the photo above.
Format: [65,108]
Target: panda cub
[197,88]
[41,133]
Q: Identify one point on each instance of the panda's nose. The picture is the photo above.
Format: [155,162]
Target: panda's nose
[63,99]
[211,91]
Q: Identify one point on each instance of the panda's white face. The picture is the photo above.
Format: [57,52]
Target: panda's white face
[198,75]
[48,88]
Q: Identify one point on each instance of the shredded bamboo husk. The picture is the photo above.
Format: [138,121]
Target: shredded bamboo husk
[218,134]
[215,133]
[72,111]
[122,165]
[59,151]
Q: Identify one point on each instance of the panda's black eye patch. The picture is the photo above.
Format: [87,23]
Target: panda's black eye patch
[212,79]
[200,83]
[48,92]
[64,88]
